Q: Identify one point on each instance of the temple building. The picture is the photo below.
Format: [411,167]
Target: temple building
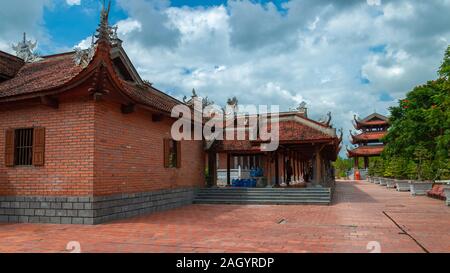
[304,155]
[372,129]
[84,140]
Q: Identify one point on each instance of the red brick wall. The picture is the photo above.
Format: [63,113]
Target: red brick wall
[127,158]
[222,158]
[129,153]
[69,149]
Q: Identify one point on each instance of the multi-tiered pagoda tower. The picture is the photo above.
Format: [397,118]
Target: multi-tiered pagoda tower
[372,129]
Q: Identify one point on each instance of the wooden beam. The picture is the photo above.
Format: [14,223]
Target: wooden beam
[50,101]
[128,108]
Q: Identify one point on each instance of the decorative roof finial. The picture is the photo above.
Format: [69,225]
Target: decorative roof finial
[302,109]
[327,123]
[104,31]
[194,94]
[25,50]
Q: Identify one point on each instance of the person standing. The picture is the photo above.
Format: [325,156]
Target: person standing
[289,172]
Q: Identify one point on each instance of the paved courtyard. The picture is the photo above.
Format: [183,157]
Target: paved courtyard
[361,213]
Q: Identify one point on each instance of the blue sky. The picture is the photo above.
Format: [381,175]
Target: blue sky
[348,57]
[62,20]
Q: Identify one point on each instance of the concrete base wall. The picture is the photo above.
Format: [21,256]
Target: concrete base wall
[90,210]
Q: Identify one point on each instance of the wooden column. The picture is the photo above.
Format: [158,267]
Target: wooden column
[294,166]
[283,167]
[269,168]
[228,169]
[277,170]
[366,162]
[318,174]
[212,169]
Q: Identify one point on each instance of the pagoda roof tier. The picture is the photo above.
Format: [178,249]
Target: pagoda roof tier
[373,150]
[373,120]
[368,137]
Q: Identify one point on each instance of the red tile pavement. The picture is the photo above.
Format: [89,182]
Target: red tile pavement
[353,220]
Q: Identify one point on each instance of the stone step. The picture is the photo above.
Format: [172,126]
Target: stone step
[263,197]
[261,201]
[278,195]
[264,190]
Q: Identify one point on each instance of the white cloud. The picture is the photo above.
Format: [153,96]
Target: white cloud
[128,25]
[342,57]
[314,51]
[374,2]
[21,16]
[73,2]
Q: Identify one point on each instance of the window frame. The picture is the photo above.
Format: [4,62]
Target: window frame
[172,154]
[18,158]
[36,152]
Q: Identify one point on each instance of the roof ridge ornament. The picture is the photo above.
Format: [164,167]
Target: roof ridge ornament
[25,50]
[104,31]
[84,56]
[303,109]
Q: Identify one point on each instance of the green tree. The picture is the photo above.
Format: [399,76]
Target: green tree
[389,168]
[342,166]
[411,170]
[420,128]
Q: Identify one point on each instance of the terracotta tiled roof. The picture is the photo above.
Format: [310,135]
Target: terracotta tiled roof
[54,71]
[150,96]
[368,136]
[366,151]
[290,132]
[374,117]
[49,73]
[9,65]
[373,122]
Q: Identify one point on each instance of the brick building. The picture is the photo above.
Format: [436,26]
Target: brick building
[84,140]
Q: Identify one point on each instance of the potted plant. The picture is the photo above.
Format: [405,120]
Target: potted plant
[390,183]
[424,173]
[420,187]
[447,194]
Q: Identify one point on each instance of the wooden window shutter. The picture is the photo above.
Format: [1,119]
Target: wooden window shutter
[9,148]
[166,153]
[38,146]
[178,154]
